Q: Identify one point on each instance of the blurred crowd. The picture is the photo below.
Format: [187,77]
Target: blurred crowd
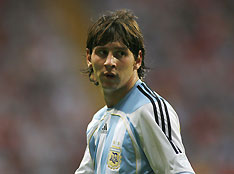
[46,103]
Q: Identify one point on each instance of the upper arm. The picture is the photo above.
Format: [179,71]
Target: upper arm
[86,165]
[160,139]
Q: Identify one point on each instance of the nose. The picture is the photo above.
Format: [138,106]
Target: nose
[110,61]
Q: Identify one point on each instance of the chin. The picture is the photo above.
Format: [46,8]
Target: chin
[109,87]
[109,84]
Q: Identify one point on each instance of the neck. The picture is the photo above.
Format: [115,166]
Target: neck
[112,97]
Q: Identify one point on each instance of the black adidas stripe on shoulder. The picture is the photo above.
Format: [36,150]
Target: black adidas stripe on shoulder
[152,102]
[150,95]
[168,120]
[159,105]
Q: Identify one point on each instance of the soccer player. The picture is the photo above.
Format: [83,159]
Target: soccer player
[137,131]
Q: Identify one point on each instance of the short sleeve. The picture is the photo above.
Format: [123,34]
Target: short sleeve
[86,165]
[160,138]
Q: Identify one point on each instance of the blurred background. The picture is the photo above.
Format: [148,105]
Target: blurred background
[46,103]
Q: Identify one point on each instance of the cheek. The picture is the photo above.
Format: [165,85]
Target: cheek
[97,66]
[96,63]
[127,65]
[96,69]
[126,69]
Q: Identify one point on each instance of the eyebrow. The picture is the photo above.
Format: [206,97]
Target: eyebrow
[114,48]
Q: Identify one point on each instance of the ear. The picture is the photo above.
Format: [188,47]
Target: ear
[138,61]
[88,57]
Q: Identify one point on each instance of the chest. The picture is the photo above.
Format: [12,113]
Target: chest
[112,141]
[113,131]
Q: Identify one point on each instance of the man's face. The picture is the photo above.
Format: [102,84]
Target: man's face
[114,65]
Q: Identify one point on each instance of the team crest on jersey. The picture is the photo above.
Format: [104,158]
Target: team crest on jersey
[114,157]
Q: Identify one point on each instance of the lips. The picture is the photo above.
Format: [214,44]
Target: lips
[109,74]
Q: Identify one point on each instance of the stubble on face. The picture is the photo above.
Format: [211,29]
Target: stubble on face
[114,68]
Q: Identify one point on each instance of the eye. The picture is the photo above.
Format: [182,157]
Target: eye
[120,54]
[101,53]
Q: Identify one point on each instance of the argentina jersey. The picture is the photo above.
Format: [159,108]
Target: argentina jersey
[139,135]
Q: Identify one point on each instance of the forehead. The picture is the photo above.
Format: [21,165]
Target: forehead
[113,45]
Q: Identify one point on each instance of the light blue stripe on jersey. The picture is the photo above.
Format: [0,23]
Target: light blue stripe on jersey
[128,160]
[100,113]
[113,122]
[97,142]
[92,147]
[98,116]
[133,100]
[145,167]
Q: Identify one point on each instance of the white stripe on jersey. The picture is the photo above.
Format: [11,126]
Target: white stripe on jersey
[101,143]
[134,142]
[116,142]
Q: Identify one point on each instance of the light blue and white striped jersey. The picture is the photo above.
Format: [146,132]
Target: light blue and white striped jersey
[141,134]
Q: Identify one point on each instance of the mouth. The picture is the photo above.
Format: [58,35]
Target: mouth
[109,75]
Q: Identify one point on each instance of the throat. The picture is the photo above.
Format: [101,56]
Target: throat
[112,97]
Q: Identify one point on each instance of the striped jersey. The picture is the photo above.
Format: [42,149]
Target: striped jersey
[141,134]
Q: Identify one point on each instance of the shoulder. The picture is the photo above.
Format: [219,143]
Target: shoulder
[98,115]
[157,110]
[135,99]
[96,118]
[157,106]
[143,99]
